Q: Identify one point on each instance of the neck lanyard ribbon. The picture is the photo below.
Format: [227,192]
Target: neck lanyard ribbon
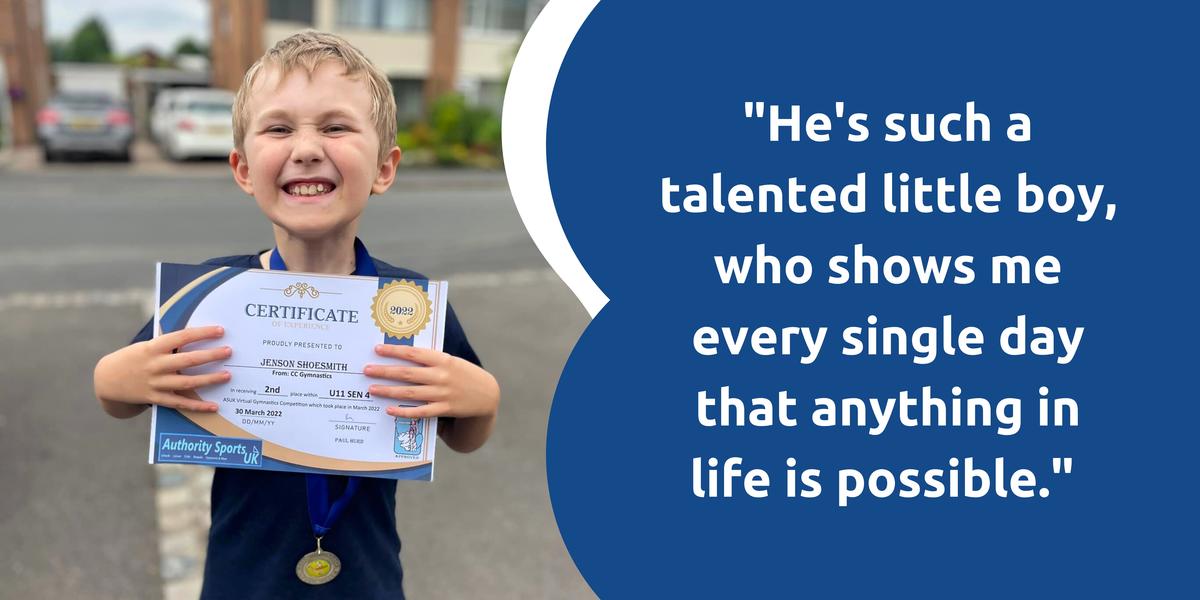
[363,264]
[321,513]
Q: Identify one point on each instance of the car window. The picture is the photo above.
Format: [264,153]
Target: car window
[210,107]
[84,100]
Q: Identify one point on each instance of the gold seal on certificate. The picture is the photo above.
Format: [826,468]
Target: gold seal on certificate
[401,309]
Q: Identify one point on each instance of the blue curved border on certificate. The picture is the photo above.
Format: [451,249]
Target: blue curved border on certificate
[179,313]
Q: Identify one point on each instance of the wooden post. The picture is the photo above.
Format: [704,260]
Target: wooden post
[26,65]
[237,39]
[446,30]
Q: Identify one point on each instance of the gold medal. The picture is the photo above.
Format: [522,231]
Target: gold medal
[318,567]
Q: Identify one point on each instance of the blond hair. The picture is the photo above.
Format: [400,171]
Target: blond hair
[308,49]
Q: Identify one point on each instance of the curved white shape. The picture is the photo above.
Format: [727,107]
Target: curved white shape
[523,127]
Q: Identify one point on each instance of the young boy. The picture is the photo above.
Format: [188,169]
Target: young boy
[314,129]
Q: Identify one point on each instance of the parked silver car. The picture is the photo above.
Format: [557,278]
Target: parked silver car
[84,123]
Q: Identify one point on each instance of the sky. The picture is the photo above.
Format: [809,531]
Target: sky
[132,24]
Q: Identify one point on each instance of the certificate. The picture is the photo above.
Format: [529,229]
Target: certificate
[297,399]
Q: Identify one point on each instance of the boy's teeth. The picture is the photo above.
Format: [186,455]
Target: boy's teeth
[308,189]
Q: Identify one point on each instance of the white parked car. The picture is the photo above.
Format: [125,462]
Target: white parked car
[160,114]
[199,123]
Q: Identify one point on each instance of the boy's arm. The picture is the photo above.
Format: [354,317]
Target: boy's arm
[466,434]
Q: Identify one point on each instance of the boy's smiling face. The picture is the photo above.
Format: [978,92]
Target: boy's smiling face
[310,154]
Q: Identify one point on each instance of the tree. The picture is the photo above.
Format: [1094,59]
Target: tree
[89,43]
[144,57]
[189,46]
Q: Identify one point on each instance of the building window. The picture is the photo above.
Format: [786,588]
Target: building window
[404,14]
[357,13]
[388,15]
[491,95]
[532,11]
[298,11]
[410,99]
[482,93]
[495,15]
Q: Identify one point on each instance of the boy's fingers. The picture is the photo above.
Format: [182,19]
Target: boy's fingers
[180,403]
[402,373]
[191,382]
[425,393]
[424,356]
[195,358]
[183,337]
[418,412]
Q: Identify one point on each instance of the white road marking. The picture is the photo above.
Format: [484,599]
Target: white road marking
[90,255]
[494,280]
[75,299]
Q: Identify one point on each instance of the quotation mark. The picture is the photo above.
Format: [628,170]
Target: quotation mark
[755,109]
[1062,465]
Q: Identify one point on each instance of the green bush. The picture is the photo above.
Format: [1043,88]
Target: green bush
[485,134]
[454,134]
[449,118]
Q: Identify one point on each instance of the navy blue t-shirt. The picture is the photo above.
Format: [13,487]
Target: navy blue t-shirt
[260,525]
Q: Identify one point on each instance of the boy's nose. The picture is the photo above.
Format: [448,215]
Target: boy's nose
[307,148]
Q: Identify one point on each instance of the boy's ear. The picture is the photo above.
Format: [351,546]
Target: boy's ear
[241,171]
[387,171]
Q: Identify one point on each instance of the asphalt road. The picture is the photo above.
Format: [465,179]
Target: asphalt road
[77,252]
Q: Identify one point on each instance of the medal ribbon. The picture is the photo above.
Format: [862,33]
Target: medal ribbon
[321,513]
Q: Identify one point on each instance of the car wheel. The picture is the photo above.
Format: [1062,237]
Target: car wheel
[49,155]
[124,156]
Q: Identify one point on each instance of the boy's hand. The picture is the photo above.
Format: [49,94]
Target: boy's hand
[449,386]
[148,373]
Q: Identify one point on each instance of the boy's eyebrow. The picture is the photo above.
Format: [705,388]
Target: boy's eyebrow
[333,112]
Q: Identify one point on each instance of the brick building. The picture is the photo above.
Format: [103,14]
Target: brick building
[426,47]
